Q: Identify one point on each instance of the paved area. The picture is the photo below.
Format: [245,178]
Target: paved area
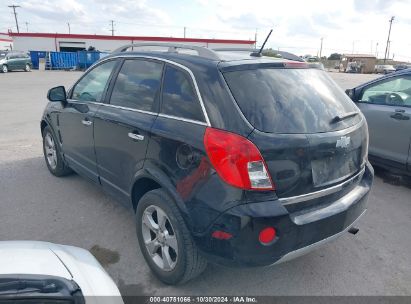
[34,205]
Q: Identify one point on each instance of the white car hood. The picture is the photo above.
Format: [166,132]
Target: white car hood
[72,263]
[30,258]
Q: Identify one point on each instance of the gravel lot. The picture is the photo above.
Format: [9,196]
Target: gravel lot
[34,205]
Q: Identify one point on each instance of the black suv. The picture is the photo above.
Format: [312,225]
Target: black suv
[224,155]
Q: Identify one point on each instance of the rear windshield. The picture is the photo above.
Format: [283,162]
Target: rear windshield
[290,100]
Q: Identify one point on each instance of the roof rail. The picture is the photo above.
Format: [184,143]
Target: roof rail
[172,48]
[285,55]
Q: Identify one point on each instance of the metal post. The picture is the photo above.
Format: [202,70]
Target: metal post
[321,47]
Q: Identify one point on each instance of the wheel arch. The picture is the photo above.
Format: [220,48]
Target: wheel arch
[43,125]
[151,177]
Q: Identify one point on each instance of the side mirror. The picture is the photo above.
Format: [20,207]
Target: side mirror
[350,93]
[57,94]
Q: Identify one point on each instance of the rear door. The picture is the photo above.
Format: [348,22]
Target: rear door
[387,108]
[122,127]
[75,122]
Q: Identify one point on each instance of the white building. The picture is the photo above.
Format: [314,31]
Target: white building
[104,43]
[6,43]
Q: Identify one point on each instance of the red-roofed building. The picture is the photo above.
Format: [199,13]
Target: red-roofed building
[105,43]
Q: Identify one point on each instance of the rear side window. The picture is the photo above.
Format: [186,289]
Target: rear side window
[290,100]
[137,85]
[179,97]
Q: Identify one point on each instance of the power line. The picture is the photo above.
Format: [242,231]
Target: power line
[15,15]
[112,27]
[388,39]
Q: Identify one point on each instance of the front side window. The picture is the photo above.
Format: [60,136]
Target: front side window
[179,97]
[393,92]
[137,85]
[92,86]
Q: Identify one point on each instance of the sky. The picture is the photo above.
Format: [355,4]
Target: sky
[349,26]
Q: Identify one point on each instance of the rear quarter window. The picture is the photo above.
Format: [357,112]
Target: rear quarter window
[179,96]
[290,100]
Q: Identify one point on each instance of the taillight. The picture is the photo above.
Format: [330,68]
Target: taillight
[237,160]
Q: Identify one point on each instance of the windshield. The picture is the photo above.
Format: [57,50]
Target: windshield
[290,100]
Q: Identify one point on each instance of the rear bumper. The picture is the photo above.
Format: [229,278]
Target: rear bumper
[298,231]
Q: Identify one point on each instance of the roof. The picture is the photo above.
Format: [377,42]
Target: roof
[132,38]
[387,76]
[359,56]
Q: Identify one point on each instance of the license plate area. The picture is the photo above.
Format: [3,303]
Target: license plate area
[335,168]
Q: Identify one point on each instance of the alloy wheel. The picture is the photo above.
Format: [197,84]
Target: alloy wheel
[159,238]
[51,153]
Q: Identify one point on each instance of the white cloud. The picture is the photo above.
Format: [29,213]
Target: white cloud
[298,25]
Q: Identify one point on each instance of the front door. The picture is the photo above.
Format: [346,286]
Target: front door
[122,127]
[387,108]
[76,121]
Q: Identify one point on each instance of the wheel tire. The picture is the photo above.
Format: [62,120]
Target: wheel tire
[5,68]
[59,168]
[189,262]
[27,68]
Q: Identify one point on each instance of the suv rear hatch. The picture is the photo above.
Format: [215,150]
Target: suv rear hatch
[311,135]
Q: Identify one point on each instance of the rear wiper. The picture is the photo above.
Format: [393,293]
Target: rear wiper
[339,118]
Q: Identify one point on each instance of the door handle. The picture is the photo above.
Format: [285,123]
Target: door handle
[400,116]
[86,122]
[399,111]
[135,136]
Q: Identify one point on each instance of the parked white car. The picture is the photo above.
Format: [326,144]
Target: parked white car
[31,269]
[384,69]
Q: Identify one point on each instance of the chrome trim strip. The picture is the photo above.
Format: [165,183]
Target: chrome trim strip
[183,119]
[302,251]
[178,65]
[128,109]
[312,195]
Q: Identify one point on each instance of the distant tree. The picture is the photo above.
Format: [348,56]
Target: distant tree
[91,48]
[335,56]
[271,53]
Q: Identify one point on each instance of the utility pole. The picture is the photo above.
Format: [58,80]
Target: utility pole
[321,47]
[388,39]
[184,32]
[376,50]
[112,27]
[68,24]
[27,26]
[15,15]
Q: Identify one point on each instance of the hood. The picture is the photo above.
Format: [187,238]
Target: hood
[72,263]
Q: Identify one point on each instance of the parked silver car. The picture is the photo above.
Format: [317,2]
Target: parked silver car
[386,105]
[384,69]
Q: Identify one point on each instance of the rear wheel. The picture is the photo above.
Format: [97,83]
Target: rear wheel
[52,154]
[27,68]
[4,68]
[165,241]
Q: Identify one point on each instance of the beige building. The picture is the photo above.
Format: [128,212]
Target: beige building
[364,63]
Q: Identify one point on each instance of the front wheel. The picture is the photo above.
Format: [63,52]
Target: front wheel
[27,68]
[4,68]
[165,240]
[52,154]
